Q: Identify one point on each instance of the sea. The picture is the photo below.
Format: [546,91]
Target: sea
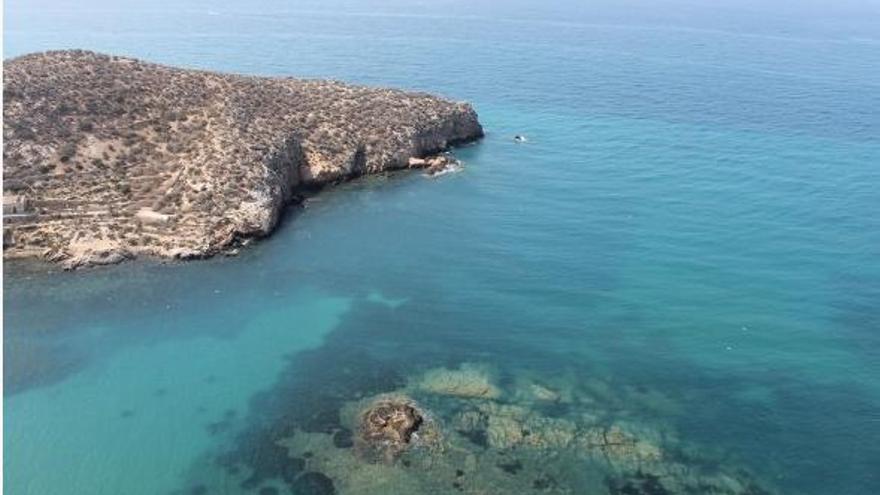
[671,286]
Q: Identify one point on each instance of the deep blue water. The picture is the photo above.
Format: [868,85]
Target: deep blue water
[689,240]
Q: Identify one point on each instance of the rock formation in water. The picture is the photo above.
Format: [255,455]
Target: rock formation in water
[547,436]
[389,425]
[106,157]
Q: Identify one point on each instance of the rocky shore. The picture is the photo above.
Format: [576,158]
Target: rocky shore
[107,158]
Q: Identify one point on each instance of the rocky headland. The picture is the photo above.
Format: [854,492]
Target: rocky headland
[107,158]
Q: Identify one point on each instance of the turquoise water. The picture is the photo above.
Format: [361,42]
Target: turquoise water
[687,246]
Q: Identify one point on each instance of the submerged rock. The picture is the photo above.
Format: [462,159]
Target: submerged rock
[541,392]
[620,446]
[497,447]
[505,432]
[470,381]
[507,426]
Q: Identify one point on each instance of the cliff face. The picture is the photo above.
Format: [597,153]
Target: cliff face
[108,157]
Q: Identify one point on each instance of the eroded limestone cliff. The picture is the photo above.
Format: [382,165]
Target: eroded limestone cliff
[107,157]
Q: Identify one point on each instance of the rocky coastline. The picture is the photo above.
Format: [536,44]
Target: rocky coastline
[108,158]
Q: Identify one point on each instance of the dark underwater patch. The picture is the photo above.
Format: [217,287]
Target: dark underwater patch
[266,459]
[29,362]
[554,409]
[545,482]
[313,483]
[511,467]
[476,436]
[639,484]
[343,439]
[218,427]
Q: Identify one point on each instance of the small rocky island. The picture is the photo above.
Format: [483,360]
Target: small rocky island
[107,158]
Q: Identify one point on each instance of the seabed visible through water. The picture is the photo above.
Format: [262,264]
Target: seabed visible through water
[491,426]
[671,288]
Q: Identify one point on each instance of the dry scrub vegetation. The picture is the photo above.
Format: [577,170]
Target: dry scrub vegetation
[119,157]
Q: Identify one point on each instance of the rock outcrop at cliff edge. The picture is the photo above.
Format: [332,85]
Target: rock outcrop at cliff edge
[107,157]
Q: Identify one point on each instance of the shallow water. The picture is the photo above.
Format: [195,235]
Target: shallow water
[685,249]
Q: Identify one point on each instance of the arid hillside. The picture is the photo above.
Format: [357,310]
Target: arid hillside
[106,157]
